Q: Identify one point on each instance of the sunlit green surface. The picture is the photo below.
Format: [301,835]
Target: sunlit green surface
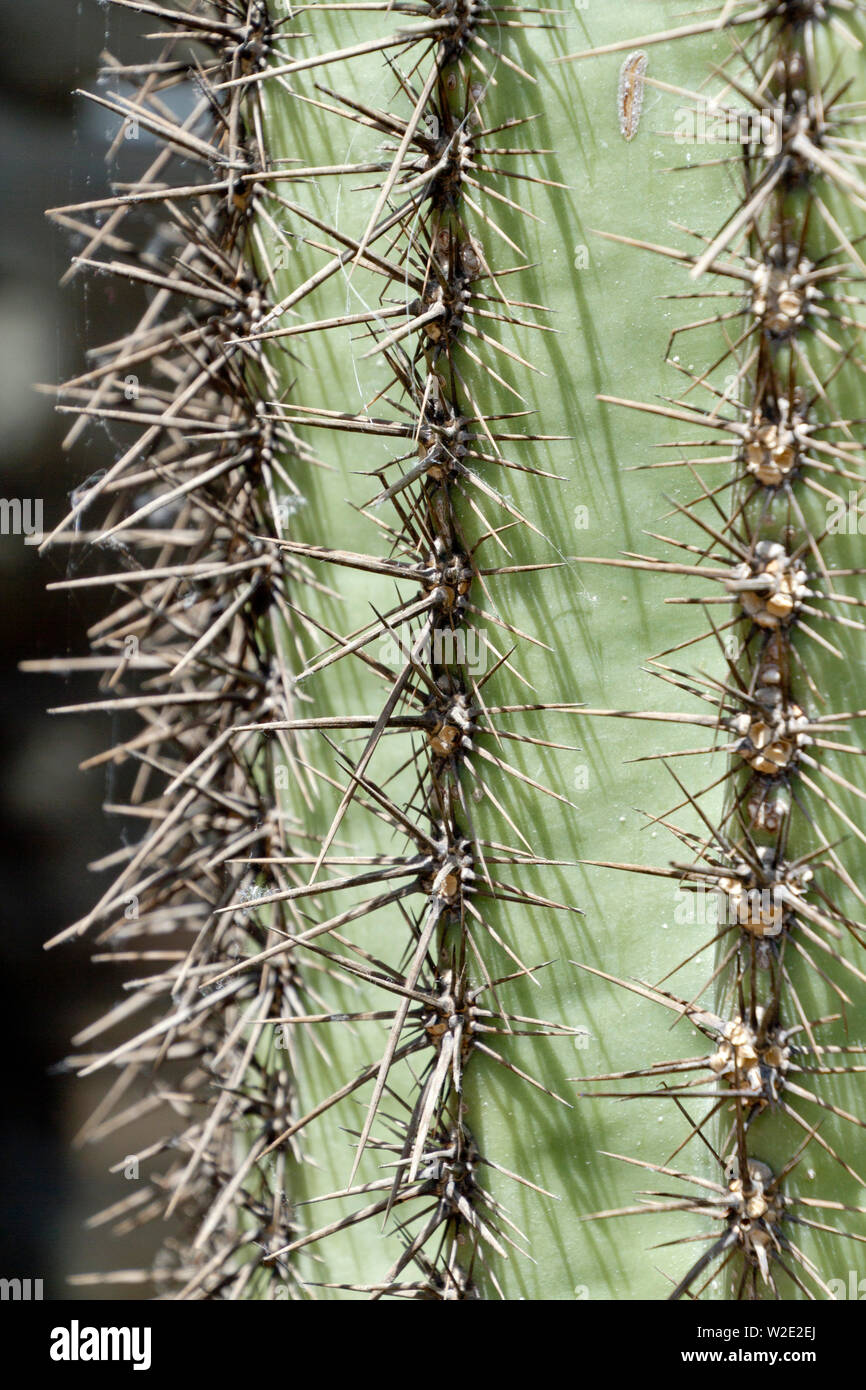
[600,624]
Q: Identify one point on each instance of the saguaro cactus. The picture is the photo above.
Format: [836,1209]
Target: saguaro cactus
[457,790]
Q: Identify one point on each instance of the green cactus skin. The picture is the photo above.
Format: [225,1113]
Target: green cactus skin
[581,635]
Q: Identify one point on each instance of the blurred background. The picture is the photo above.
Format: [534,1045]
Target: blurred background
[52,152]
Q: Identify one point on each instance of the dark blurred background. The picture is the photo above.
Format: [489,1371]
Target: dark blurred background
[52,151]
